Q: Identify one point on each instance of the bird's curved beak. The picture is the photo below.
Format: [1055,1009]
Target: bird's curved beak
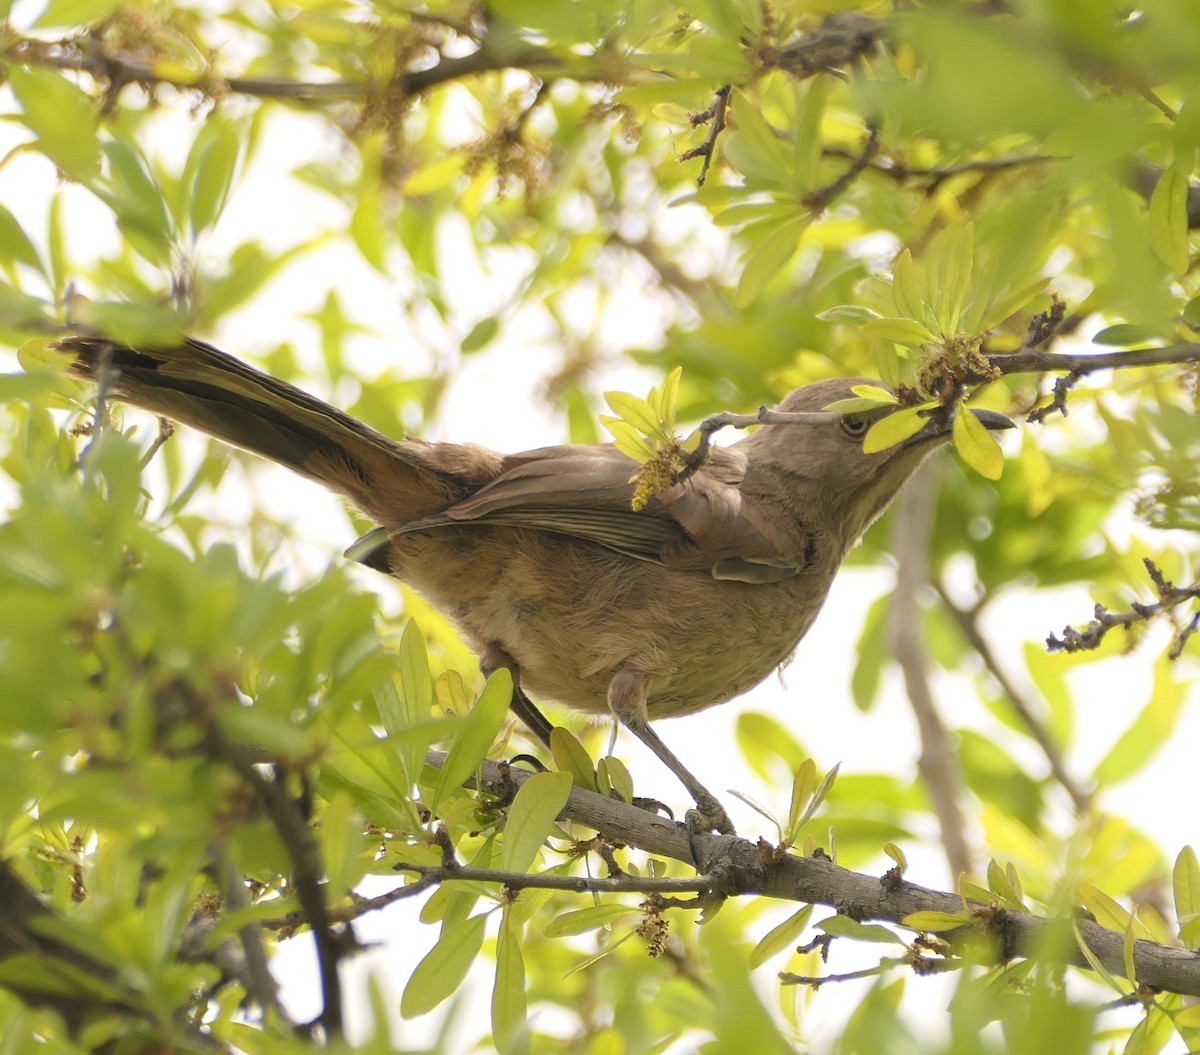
[993,420]
[938,428]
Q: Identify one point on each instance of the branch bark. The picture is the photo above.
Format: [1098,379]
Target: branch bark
[736,867]
[937,763]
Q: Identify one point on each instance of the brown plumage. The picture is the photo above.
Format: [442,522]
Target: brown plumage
[539,558]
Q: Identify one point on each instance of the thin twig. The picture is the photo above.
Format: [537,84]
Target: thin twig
[1169,596]
[819,200]
[968,623]
[900,172]
[576,884]
[728,419]
[714,117]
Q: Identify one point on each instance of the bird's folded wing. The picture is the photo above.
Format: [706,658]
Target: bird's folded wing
[703,524]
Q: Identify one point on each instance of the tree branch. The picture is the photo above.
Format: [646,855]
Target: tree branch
[307,870]
[968,624]
[740,867]
[1036,360]
[1169,596]
[937,763]
[714,117]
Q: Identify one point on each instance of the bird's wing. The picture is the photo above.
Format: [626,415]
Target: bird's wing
[703,524]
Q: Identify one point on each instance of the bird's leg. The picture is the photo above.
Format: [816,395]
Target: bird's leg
[627,699]
[493,658]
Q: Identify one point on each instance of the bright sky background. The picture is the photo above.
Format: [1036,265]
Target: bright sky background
[493,401]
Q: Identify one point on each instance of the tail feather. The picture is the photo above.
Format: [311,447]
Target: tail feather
[200,386]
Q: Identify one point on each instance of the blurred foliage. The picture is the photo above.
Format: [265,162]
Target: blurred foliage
[892,192]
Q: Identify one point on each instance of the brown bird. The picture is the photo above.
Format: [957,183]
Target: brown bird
[539,557]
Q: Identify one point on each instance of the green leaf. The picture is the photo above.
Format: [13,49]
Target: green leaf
[63,118]
[475,738]
[214,168]
[907,332]
[948,266]
[977,445]
[853,314]
[1148,732]
[1109,913]
[780,937]
[668,399]
[896,854]
[755,148]
[444,968]
[611,775]
[938,922]
[343,845]
[634,410]
[1185,881]
[482,334]
[766,259]
[531,816]
[585,919]
[1094,962]
[627,439]
[845,927]
[508,993]
[571,757]
[894,429]
[15,246]
[909,288]
[1126,335]
[1169,219]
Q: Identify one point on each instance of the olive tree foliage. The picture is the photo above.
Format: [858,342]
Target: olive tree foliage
[984,200]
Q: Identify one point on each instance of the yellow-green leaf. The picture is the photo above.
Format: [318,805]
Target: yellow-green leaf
[977,446]
[571,757]
[937,922]
[909,289]
[1169,219]
[1147,733]
[896,854]
[1108,913]
[634,410]
[894,429]
[628,440]
[1094,961]
[767,259]
[443,969]
[508,993]
[476,735]
[1185,880]
[845,927]
[530,817]
[908,332]
[582,920]
[62,116]
[780,937]
[613,776]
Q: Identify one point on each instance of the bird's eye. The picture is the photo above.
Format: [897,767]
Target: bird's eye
[855,427]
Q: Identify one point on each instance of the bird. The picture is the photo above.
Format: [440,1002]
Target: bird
[539,557]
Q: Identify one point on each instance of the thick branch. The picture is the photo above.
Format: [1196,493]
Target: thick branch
[740,867]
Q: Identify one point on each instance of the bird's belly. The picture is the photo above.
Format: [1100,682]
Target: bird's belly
[572,614]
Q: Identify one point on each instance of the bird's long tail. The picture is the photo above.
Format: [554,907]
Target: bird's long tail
[198,385]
